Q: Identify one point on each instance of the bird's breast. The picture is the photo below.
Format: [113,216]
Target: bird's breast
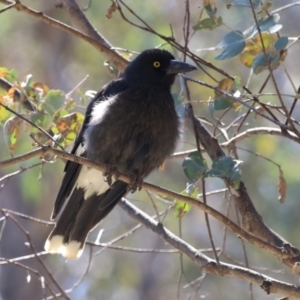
[134,136]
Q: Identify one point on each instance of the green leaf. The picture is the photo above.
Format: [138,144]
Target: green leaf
[238,83]
[181,207]
[11,75]
[54,100]
[41,119]
[71,122]
[4,113]
[244,3]
[260,64]
[12,128]
[71,104]
[194,166]
[62,112]
[208,24]
[228,169]
[55,130]
[281,43]
[70,138]
[265,24]
[222,103]
[233,44]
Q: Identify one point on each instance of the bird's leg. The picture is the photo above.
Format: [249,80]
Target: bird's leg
[136,182]
[110,171]
[116,173]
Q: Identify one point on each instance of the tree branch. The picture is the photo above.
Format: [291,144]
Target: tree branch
[260,131]
[208,265]
[89,34]
[251,219]
[284,252]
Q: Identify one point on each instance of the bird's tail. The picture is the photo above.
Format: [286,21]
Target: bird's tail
[79,217]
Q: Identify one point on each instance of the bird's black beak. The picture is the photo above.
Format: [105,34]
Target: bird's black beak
[177,66]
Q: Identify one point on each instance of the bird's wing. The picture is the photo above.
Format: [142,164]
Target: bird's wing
[79,217]
[72,169]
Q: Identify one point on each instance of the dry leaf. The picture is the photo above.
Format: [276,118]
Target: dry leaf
[111,10]
[260,109]
[11,92]
[281,187]
[224,85]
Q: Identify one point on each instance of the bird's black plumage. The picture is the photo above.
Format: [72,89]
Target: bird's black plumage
[131,126]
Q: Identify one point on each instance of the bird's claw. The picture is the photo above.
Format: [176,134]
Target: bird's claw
[136,182]
[110,171]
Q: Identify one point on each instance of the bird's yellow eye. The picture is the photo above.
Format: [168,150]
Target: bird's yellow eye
[156,64]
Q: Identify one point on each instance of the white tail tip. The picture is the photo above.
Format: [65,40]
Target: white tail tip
[55,245]
[72,250]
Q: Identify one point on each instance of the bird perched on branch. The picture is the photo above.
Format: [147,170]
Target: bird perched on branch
[131,127]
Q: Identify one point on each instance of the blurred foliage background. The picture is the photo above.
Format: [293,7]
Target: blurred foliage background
[61,61]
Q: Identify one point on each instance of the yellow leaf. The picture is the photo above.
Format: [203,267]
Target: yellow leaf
[12,129]
[11,92]
[3,72]
[260,109]
[254,47]
[225,85]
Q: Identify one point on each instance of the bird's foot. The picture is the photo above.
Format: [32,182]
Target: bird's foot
[110,171]
[136,182]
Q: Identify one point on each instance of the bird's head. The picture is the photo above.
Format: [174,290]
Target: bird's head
[156,66]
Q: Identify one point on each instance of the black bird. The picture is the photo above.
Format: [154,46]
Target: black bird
[131,127]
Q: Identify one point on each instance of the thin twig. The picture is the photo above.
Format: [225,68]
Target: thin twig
[32,124]
[238,100]
[32,248]
[208,223]
[96,41]
[272,74]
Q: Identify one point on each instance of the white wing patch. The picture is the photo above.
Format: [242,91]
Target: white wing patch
[92,181]
[99,111]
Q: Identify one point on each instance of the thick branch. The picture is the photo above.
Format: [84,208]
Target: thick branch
[90,36]
[284,253]
[82,23]
[251,219]
[208,265]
